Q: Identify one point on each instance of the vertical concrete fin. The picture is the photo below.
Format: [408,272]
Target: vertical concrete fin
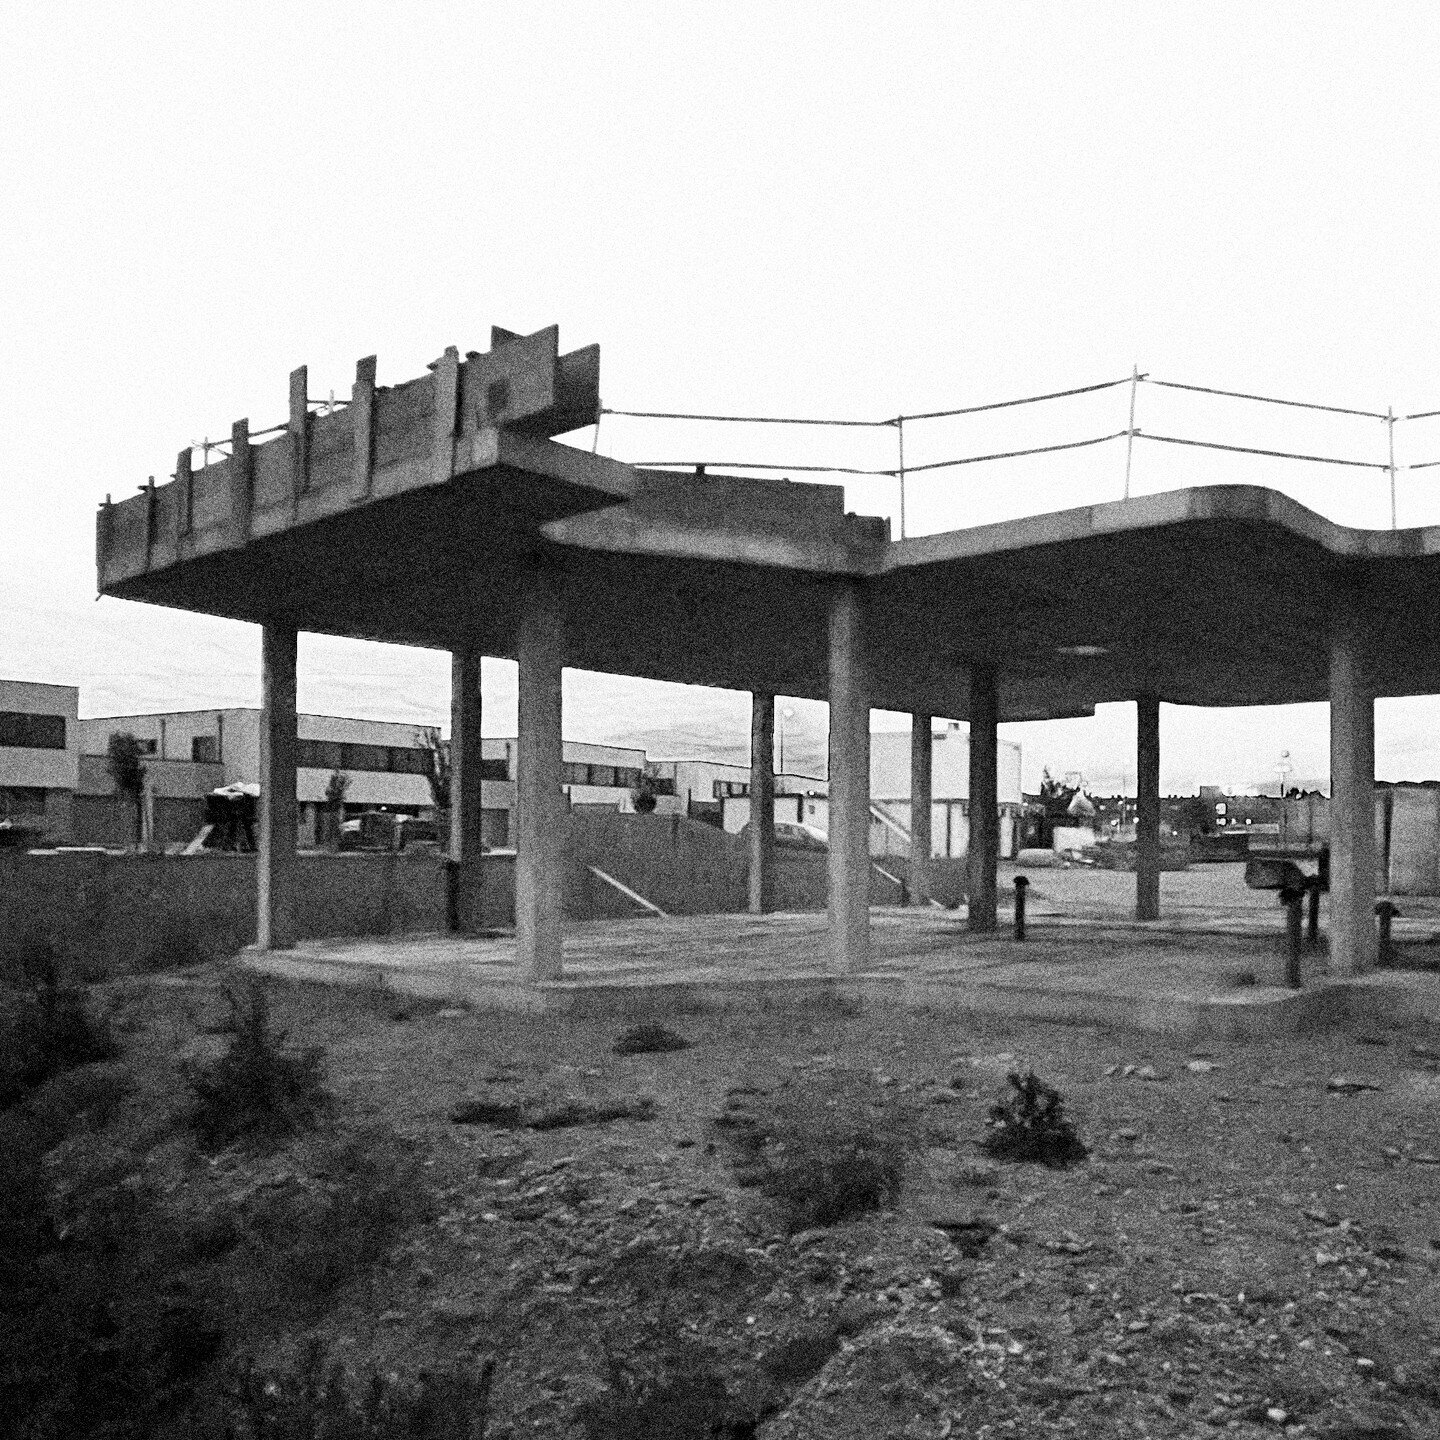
[849,854]
[151,522]
[984,844]
[362,421]
[447,403]
[1147,807]
[465,789]
[922,748]
[762,803]
[279,750]
[1353,849]
[539,779]
[184,495]
[299,427]
[242,480]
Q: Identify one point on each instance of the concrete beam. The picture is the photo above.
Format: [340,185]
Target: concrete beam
[762,803]
[465,807]
[279,747]
[539,780]
[984,851]
[1147,808]
[922,746]
[849,857]
[1353,941]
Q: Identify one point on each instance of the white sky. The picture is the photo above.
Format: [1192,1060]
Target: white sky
[846,210]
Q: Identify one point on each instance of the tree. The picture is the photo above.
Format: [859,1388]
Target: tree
[335,788]
[642,797]
[123,759]
[437,764]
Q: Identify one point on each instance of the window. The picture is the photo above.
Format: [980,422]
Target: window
[21,729]
[205,749]
[494,769]
[576,774]
[722,789]
[659,784]
[17,800]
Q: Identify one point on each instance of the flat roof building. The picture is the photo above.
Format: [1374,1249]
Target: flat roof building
[39,758]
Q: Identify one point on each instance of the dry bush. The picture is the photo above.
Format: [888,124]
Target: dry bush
[1028,1124]
[257,1092]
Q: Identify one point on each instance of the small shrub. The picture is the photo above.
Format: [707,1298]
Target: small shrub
[822,1157]
[565,1113]
[649,1039]
[363,1190]
[314,1401]
[257,1091]
[1030,1125]
[673,1391]
[51,1029]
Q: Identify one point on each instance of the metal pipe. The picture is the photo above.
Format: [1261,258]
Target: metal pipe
[900,431]
[1130,433]
[1022,884]
[1390,426]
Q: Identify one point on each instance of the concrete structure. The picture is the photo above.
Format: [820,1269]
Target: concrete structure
[441,512]
[947,748]
[191,752]
[719,792]
[39,757]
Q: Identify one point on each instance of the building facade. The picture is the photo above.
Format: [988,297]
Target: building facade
[950,793]
[39,759]
[386,766]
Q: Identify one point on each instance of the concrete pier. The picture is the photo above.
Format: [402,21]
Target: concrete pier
[539,780]
[465,767]
[984,848]
[849,858]
[1147,807]
[762,803]
[922,749]
[1353,942]
[279,748]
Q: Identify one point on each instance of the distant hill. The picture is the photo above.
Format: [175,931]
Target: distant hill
[805,743]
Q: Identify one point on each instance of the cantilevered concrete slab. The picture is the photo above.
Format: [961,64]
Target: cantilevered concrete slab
[421,514]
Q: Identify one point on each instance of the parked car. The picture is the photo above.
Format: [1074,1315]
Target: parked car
[793,835]
[382,830]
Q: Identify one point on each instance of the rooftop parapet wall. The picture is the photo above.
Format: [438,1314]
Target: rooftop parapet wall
[491,409]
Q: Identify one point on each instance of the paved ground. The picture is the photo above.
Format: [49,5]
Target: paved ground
[1214,964]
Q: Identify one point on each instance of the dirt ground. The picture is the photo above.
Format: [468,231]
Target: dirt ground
[1252,1246]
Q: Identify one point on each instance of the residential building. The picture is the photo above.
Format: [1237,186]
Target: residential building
[386,765]
[718,792]
[39,757]
[949,792]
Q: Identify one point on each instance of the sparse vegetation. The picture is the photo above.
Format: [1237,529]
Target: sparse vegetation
[258,1091]
[649,1039]
[1029,1125]
[824,1156]
[320,1401]
[50,1028]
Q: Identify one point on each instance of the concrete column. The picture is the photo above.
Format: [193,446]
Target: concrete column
[762,803]
[279,746]
[1147,807]
[849,858]
[1353,944]
[539,777]
[465,847]
[922,747]
[984,852]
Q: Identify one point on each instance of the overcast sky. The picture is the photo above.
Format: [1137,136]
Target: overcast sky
[796,210]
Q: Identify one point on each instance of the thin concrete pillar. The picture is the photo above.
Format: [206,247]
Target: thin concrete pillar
[1147,807]
[984,852]
[762,803]
[922,747]
[539,778]
[279,747]
[1353,944]
[849,858]
[465,806]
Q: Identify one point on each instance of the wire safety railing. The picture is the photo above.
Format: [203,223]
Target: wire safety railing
[901,471]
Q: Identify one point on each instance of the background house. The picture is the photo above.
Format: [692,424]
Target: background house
[39,757]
